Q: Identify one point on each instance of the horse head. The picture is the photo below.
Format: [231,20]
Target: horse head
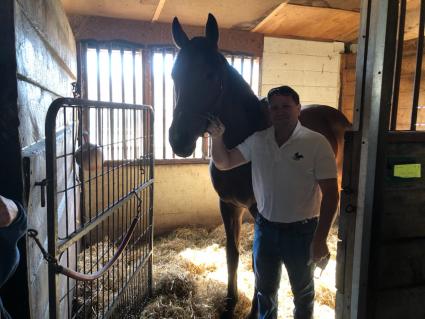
[199,76]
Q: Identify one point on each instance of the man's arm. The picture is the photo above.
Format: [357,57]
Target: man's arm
[223,158]
[330,198]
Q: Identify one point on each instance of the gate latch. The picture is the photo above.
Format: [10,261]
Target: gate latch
[42,184]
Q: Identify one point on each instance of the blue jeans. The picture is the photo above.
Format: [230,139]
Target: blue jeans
[274,244]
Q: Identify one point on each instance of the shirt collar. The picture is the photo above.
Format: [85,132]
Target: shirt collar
[294,135]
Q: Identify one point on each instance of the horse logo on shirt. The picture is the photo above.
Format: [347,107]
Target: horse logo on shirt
[297,156]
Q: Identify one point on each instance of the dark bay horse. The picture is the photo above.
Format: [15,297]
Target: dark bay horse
[206,85]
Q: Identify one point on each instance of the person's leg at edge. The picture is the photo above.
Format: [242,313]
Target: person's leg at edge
[300,272]
[267,268]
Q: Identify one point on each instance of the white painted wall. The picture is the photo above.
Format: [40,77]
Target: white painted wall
[311,68]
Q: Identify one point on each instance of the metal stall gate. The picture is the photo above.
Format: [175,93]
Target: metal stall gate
[100,208]
[381,272]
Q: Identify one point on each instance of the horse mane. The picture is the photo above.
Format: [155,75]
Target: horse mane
[241,111]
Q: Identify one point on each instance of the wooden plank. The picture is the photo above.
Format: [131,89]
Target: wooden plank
[158,10]
[275,62]
[292,46]
[37,61]
[34,103]
[317,95]
[107,29]
[400,264]
[269,18]
[400,303]
[403,213]
[302,78]
[352,5]
[50,23]
[412,19]
[323,23]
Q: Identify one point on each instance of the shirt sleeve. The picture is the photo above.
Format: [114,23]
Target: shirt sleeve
[246,147]
[324,163]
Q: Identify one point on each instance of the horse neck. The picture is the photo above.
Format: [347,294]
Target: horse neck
[241,110]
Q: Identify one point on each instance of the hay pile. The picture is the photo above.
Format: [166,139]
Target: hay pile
[190,277]
[93,298]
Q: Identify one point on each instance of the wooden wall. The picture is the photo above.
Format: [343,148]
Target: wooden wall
[311,68]
[348,77]
[106,29]
[42,54]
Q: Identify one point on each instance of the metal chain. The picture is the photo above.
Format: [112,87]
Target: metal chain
[49,258]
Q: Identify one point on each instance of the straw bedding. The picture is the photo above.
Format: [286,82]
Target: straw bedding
[190,276]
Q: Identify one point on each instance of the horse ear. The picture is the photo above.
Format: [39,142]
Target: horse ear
[179,36]
[211,30]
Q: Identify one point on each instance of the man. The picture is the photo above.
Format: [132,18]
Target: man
[294,179]
[12,227]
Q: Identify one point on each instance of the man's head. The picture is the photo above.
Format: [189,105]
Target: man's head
[284,106]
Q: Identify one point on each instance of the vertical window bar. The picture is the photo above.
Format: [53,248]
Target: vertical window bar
[163,52]
[399,54]
[242,66]
[123,143]
[251,60]
[419,54]
[174,91]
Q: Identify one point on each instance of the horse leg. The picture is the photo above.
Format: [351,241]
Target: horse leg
[232,219]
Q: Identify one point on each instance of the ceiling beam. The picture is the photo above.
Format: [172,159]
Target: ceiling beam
[158,10]
[269,17]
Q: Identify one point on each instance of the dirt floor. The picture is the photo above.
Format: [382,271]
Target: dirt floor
[190,276]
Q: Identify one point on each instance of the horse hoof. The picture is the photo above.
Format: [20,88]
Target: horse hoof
[227,314]
[252,315]
[229,308]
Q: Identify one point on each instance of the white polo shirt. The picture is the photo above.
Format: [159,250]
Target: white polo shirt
[285,178]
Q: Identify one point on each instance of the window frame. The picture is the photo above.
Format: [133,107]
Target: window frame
[148,94]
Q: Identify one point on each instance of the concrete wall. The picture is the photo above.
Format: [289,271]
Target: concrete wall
[310,67]
[184,196]
[46,66]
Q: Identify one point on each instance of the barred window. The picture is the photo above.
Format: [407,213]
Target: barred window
[125,73]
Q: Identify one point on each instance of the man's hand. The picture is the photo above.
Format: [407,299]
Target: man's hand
[318,250]
[8,211]
[215,128]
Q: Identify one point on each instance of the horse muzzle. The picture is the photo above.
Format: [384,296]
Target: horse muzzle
[180,147]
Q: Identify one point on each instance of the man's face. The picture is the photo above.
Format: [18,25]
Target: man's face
[283,110]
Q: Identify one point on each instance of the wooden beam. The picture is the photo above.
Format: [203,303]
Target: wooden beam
[158,10]
[269,17]
[324,24]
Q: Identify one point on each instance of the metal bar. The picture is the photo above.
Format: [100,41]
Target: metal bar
[399,55]
[252,72]
[164,155]
[419,54]
[151,221]
[65,244]
[83,56]
[361,63]
[117,300]
[375,121]
[123,74]
[52,225]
